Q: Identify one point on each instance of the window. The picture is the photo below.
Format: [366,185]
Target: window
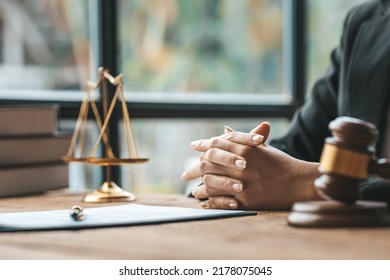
[217,46]
[44,45]
[190,67]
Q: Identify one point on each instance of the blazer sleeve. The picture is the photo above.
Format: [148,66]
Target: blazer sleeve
[309,126]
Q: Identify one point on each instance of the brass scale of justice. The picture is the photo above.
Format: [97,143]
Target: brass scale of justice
[109,190]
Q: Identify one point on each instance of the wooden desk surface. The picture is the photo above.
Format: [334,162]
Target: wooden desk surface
[265,236]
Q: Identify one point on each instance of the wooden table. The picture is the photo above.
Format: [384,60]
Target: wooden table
[265,236]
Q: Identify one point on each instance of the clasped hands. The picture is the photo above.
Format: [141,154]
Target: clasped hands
[240,171]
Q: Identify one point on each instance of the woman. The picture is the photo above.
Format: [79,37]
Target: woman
[239,172]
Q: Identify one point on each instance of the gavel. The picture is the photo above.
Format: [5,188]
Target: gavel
[348,159]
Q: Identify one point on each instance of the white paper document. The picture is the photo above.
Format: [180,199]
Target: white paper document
[109,216]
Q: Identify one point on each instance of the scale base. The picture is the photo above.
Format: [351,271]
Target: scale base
[336,214]
[109,192]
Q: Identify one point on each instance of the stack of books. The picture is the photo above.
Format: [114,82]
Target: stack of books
[31,148]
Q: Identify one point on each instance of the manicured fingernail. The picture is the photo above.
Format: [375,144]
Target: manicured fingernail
[205,204]
[195,192]
[194,143]
[184,175]
[257,138]
[237,187]
[240,163]
[228,129]
[233,205]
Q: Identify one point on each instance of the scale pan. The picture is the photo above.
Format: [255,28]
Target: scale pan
[104,161]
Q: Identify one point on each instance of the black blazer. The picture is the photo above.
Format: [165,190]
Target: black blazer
[357,83]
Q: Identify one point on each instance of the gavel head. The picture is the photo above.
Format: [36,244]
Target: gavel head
[345,159]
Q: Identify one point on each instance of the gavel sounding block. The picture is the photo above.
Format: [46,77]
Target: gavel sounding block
[337,214]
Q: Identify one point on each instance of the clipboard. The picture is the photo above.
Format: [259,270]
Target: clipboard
[109,216]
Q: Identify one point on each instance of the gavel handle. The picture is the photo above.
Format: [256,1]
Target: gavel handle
[381,167]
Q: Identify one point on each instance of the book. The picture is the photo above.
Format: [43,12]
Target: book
[110,216]
[32,179]
[28,120]
[33,149]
